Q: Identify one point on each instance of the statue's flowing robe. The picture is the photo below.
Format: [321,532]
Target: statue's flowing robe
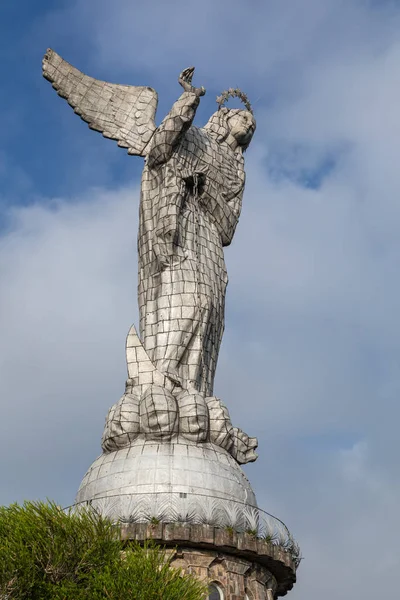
[191,196]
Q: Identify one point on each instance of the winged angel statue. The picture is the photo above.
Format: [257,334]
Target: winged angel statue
[191,196]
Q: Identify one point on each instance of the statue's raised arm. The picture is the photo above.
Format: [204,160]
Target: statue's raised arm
[177,122]
[123,113]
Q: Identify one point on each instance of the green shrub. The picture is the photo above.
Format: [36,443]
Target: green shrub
[47,554]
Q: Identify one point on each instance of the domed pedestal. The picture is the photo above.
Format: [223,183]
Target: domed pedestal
[169,480]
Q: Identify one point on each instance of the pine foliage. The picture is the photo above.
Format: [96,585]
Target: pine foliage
[48,554]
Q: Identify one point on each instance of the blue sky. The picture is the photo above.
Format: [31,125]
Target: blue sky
[312,329]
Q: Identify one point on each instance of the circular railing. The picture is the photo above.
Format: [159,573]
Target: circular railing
[175,507]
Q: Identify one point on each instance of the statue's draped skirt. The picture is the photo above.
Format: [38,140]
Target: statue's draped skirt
[189,209]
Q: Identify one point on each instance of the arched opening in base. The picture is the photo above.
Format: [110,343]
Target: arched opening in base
[215,592]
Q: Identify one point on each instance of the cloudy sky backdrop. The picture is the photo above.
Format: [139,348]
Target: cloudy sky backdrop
[310,361]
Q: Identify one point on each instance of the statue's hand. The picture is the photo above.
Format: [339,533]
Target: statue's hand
[185,80]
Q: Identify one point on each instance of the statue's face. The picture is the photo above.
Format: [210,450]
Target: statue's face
[242,126]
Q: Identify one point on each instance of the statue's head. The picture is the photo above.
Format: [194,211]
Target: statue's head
[241,125]
[238,123]
[236,126]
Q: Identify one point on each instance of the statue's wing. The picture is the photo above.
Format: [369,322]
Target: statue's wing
[124,113]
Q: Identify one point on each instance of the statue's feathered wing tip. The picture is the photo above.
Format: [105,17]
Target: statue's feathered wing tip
[47,56]
[48,60]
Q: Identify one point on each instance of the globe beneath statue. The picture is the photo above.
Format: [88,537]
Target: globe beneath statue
[175,481]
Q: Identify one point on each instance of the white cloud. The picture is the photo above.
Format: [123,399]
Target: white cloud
[67,300]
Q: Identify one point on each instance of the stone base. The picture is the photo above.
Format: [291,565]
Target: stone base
[242,566]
